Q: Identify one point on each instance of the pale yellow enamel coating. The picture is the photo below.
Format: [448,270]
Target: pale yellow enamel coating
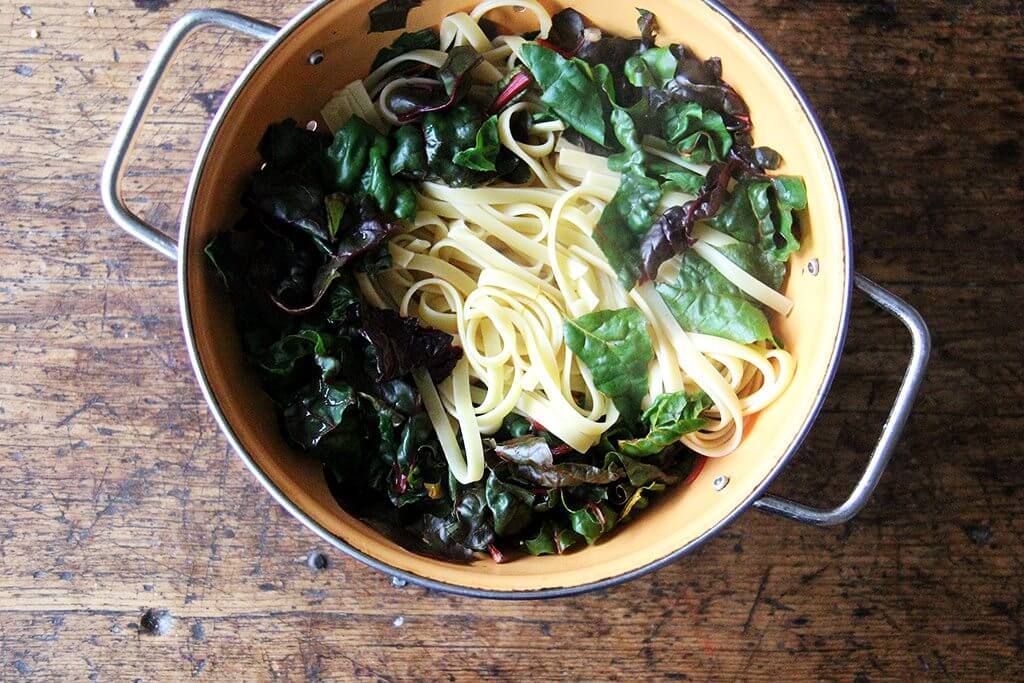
[286,85]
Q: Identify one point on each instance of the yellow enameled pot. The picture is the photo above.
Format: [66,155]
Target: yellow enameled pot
[327,46]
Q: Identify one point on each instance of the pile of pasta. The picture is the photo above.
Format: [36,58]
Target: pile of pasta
[501,268]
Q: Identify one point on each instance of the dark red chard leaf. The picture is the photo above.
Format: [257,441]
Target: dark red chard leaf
[410,102]
[526,450]
[672,233]
[566,34]
[562,450]
[398,344]
[613,52]
[563,475]
[648,25]
[290,187]
[391,15]
[365,233]
[515,85]
[461,60]
[426,39]
[701,82]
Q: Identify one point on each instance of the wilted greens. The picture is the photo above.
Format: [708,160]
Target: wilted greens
[321,212]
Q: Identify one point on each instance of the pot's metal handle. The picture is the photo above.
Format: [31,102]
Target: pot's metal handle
[113,168]
[891,430]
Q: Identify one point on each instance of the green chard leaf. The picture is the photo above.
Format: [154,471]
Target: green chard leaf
[703,300]
[603,76]
[630,213]
[569,89]
[790,196]
[447,133]
[281,357]
[319,410]
[760,212]
[653,68]
[376,180]
[669,417]
[510,505]
[593,521]
[640,473]
[335,203]
[697,132]
[409,158]
[484,153]
[683,180]
[617,349]
[348,154]
[553,538]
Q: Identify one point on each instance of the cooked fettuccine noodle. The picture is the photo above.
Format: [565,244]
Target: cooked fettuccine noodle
[501,269]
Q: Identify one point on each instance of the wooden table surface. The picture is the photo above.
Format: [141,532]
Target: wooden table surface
[119,495]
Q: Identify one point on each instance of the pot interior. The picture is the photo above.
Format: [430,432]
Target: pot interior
[285,84]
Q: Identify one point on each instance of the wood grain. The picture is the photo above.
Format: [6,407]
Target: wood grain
[119,495]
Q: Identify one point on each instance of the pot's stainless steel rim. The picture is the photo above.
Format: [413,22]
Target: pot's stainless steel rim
[111,193]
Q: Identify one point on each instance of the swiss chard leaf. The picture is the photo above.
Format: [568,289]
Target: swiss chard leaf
[445,135]
[399,344]
[624,219]
[566,32]
[281,358]
[669,417]
[616,348]
[409,158]
[510,505]
[562,475]
[790,196]
[701,82]
[461,60]
[641,473]
[760,211]
[648,25]
[553,538]
[672,233]
[593,521]
[653,68]
[425,39]
[400,396]
[703,300]
[697,132]
[482,155]
[569,89]
[526,450]
[411,101]
[630,213]
[366,231]
[466,529]
[391,15]
[349,152]
[376,181]
[316,411]
[289,145]
[683,180]
[291,197]
[613,52]
[335,204]
[289,188]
